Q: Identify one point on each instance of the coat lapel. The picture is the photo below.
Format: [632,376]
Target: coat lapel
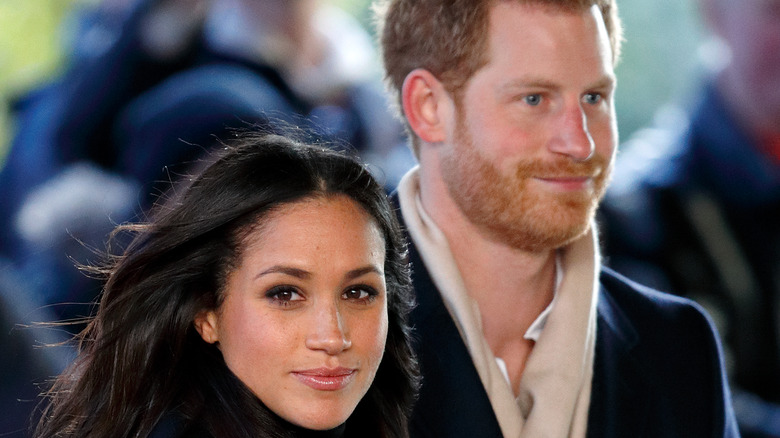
[618,403]
[452,403]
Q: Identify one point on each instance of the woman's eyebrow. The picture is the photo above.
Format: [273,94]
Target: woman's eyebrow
[304,274]
[287,270]
[355,273]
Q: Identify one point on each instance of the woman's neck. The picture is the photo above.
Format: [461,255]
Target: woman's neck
[300,432]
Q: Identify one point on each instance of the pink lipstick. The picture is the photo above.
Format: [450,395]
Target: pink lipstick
[326,379]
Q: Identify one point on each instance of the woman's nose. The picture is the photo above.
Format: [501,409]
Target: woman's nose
[328,331]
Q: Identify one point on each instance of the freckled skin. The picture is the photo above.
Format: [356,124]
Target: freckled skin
[534,136]
[304,320]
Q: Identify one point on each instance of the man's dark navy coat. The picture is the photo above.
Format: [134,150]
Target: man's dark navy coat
[657,373]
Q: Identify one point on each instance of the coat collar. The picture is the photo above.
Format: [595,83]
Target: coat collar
[618,407]
[468,412]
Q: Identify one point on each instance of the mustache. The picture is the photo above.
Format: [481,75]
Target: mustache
[563,168]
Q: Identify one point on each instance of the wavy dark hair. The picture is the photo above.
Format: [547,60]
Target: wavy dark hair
[141,358]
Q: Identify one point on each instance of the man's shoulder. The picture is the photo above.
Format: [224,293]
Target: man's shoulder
[642,302]
[638,312]
[657,356]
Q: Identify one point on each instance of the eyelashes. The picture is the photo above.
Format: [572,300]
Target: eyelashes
[540,99]
[360,293]
[288,295]
[284,295]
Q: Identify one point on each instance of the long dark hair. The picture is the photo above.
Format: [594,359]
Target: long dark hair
[140,358]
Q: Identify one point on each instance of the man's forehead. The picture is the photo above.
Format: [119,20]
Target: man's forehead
[565,5]
[538,48]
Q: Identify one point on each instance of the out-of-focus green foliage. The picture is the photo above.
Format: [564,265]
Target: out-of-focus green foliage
[29,43]
[31,49]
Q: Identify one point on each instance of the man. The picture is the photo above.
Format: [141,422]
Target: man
[509,105]
[695,205]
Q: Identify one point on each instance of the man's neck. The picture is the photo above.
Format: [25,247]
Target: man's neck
[510,286]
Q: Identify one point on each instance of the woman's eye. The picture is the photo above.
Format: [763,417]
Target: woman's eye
[284,294]
[360,293]
[533,99]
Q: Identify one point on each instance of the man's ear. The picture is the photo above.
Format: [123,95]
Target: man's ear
[424,101]
[206,325]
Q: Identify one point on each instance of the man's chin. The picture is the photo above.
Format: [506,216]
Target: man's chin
[540,238]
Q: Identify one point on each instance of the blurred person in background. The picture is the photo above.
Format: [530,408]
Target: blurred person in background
[694,207]
[150,85]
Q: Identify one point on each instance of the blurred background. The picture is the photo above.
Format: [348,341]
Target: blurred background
[659,65]
[72,169]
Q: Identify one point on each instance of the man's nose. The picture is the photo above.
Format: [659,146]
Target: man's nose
[328,331]
[573,137]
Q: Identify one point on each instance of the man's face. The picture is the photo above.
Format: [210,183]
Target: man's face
[531,148]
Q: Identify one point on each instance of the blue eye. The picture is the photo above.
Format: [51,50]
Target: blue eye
[533,99]
[592,98]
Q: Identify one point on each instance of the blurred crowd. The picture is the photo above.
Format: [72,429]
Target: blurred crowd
[694,207]
[149,87]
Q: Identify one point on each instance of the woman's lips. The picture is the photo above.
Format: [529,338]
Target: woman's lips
[326,379]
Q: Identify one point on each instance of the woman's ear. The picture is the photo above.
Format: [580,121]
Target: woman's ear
[424,102]
[206,325]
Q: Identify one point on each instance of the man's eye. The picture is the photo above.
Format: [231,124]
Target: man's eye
[592,98]
[533,99]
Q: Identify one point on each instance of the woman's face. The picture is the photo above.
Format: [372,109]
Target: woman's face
[304,318]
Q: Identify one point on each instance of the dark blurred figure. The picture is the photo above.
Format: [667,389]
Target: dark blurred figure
[695,204]
[150,87]
[152,84]
[26,364]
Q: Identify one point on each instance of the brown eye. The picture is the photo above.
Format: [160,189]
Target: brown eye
[283,294]
[360,293]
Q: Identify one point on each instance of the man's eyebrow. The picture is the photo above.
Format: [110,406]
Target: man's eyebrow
[606,81]
[529,82]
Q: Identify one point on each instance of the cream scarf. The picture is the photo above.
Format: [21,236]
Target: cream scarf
[555,387]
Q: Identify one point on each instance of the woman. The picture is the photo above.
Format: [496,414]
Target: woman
[254,304]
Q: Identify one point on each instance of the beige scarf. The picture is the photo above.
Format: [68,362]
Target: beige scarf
[555,387]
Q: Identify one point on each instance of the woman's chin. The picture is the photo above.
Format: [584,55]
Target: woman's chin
[324,423]
[319,417]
